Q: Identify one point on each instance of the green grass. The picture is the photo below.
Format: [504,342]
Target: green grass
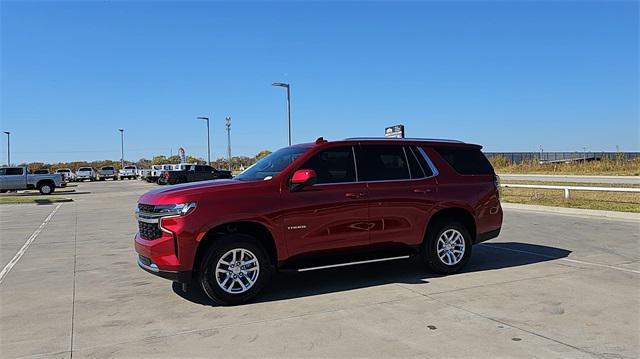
[576,184]
[33,199]
[604,167]
[607,201]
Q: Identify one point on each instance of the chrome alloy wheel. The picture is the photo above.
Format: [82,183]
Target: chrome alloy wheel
[237,271]
[450,247]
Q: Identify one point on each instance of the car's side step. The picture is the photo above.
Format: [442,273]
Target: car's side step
[353,263]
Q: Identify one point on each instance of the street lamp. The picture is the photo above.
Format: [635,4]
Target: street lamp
[121,147]
[227,124]
[208,139]
[8,147]
[284,84]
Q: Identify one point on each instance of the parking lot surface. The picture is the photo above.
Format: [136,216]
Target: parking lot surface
[549,286]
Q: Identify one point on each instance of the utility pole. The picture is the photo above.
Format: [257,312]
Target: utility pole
[228,125]
[121,147]
[8,147]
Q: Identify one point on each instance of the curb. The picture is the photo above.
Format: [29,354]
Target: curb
[629,216]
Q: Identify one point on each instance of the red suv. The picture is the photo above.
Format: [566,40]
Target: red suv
[321,205]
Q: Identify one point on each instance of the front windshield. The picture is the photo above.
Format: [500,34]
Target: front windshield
[272,164]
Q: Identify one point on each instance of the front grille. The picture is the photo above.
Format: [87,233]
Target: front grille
[149,231]
[146,207]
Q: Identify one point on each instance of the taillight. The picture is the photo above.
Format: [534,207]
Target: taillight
[496,182]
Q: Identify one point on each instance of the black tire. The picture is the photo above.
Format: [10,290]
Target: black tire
[46,188]
[216,251]
[430,247]
[3,191]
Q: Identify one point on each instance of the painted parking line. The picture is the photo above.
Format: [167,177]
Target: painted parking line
[565,259]
[26,245]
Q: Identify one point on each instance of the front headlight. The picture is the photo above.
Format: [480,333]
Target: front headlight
[178,209]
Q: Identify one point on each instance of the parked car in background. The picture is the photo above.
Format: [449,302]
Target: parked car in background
[41,172]
[185,172]
[156,171]
[67,174]
[107,172]
[156,174]
[129,172]
[143,173]
[318,205]
[19,178]
[85,173]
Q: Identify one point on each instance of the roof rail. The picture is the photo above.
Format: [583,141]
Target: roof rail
[402,139]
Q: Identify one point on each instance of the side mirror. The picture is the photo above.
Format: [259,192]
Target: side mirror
[302,178]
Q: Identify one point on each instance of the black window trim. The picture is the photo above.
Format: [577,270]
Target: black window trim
[434,169]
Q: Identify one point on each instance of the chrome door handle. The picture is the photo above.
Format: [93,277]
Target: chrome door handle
[422,190]
[353,195]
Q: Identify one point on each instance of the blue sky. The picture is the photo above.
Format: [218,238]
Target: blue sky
[509,75]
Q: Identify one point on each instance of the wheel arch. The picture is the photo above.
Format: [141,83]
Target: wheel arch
[255,229]
[42,182]
[460,214]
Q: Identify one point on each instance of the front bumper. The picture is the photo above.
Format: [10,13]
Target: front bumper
[176,276]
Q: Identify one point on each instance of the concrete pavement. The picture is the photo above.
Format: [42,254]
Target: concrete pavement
[549,286]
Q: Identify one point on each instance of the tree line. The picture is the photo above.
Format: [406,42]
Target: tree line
[237,162]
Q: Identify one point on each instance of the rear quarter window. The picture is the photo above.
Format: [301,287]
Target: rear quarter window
[466,160]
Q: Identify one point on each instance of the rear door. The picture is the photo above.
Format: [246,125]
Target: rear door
[401,188]
[333,213]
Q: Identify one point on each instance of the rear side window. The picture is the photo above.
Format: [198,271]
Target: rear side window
[203,169]
[333,165]
[466,161]
[14,171]
[382,163]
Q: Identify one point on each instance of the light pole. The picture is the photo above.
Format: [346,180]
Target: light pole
[284,84]
[8,147]
[121,147]
[228,126]
[208,139]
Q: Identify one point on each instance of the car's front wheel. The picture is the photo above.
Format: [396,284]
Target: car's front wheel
[447,247]
[235,268]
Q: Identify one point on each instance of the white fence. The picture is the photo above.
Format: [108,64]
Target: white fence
[567,189]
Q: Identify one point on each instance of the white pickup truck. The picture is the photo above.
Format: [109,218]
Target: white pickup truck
[67,174]
[107,172]
[19,178]
[129,172]
[85,173]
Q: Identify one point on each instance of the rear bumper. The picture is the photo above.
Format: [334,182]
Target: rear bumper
[176,276]
[483,237]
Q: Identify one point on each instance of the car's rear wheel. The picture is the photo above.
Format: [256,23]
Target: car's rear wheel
[46,188]
[447,247]
[234,269]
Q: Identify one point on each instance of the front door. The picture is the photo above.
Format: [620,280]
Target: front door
[332,214]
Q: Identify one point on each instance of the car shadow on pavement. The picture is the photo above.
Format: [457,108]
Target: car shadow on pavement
[289,285]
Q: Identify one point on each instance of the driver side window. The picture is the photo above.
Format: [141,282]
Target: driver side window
[333,165]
